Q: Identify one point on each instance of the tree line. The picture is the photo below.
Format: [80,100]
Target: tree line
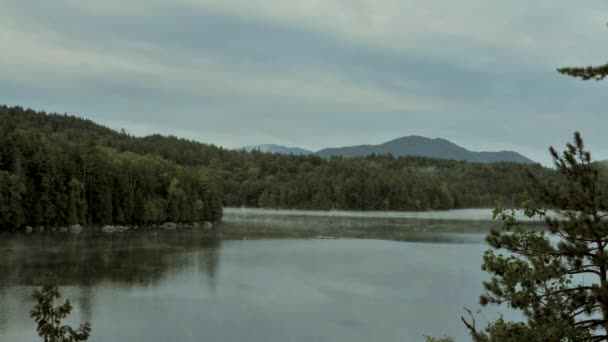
[239,178]
[46,179]
[376,182]
[60,169]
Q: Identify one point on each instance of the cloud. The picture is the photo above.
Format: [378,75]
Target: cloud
[239,72]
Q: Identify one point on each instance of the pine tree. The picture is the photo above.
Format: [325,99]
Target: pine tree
[586,73]
[557,278]
[16,191]
[76,204]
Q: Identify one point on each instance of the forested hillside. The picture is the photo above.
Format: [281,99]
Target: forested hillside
[372,183]
[55,179]
[60,169]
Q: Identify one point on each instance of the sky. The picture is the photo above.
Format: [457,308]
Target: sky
[315,73]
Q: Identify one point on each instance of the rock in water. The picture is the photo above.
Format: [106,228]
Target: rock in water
[28,229]
[121,229]
[108,229]
[76,228]
[169,225]
[207,225]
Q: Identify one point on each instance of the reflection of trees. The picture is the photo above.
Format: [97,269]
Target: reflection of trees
[133,258]
[252,225]
[130,258]
[85,303]
[209,261]
[3,313]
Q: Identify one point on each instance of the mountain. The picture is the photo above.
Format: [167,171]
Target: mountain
[271,148]
[425,147]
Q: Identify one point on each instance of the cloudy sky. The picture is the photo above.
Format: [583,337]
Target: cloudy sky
[315,73]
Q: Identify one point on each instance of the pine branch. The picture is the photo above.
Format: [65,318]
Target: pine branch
[586,73]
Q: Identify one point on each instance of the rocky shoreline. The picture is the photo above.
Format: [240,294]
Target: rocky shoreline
[77,228]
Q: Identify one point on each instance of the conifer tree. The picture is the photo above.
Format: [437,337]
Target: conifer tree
[558,277]
[586,73]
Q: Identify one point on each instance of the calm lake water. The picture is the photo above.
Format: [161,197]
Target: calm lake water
[190,286]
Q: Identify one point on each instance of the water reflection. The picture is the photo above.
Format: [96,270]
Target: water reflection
[170,285]
[481,214]
[415,230]
[145,258]
[85,303]
[132,258]
[3,313]
[404,226]
[89,261]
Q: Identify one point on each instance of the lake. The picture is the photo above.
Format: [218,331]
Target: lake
[250,283]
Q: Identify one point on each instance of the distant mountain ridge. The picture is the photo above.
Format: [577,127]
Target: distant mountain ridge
[412,145]
[272,148]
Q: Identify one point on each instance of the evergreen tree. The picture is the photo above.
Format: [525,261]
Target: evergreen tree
[16,191]
[586,73]
[74,201]
[557,278]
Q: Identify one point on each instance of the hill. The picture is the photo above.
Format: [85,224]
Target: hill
[59,171]
[425,147]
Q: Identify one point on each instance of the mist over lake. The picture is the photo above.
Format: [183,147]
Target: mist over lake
[181,285]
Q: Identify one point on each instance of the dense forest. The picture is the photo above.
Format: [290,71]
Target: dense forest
[59,169]
[48,179]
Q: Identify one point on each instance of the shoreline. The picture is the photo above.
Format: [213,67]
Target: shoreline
[243,223]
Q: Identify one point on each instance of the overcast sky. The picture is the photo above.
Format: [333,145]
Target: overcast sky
[315,73]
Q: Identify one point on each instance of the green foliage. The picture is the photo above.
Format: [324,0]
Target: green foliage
[48,317]
[48,179]
[586,73]
[76,210]
[503,331]
[597,73]
[370,183]
[12,190]
[75,170]
[556,277]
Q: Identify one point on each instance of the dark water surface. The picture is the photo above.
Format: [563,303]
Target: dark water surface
[191,286]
